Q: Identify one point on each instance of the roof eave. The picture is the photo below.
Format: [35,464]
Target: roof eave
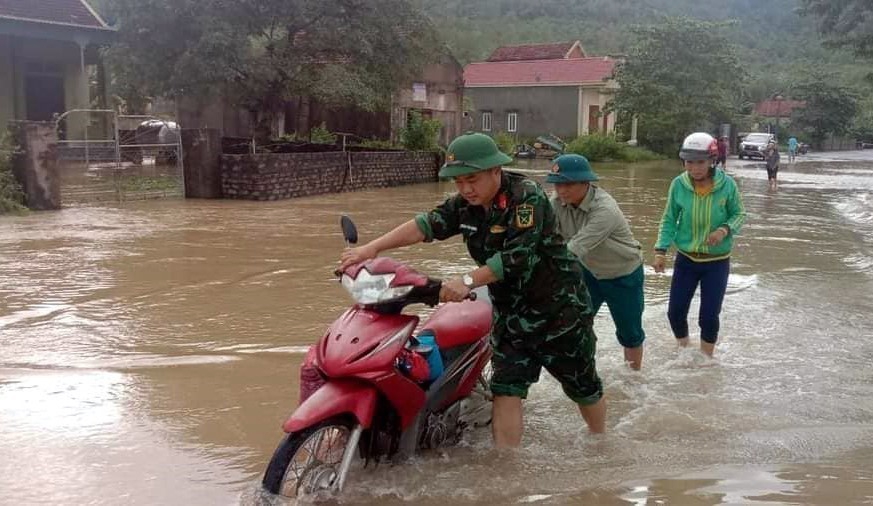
[597,83]
[31,28]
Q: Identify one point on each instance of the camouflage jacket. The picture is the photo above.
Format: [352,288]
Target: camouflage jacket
[538,278]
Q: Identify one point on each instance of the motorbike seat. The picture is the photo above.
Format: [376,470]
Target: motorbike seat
[459,323]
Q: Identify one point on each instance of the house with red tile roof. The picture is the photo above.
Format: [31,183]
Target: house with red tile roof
[47,50]
[554,51]
[777,108]
[541,89]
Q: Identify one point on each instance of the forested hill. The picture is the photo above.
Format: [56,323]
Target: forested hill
[770,29]
[775,44]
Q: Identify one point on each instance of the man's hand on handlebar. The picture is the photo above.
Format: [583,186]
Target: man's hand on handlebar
[454,290]
[353,256]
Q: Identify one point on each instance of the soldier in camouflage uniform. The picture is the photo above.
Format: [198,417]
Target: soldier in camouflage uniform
[541,308]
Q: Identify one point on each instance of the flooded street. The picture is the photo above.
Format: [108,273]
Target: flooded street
[149,354]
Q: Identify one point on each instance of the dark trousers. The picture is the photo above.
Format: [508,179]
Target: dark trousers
[712,278]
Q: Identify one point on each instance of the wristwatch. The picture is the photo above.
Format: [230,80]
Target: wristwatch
[468,281]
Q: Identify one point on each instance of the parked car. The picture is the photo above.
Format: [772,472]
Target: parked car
[753,145]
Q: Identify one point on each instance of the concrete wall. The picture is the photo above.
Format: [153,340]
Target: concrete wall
[444,94]
[7,81]
[559,110]
[214,112]
[283,176]
[541,110]
[35,163]
[201,151]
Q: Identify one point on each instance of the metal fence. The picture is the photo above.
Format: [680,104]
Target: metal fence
[107,157]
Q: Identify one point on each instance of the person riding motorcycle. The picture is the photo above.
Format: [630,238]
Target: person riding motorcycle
[541,306]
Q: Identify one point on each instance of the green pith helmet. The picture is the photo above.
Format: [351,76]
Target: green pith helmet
[571,169]
[472,152]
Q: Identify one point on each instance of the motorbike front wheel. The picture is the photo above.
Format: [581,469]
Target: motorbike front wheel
[308,461]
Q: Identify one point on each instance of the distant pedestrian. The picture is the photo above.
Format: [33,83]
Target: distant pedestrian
[722,152]
[704,212]
[771,157]
[792,149]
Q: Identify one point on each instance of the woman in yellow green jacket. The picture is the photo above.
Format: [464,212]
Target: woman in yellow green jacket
[704,212]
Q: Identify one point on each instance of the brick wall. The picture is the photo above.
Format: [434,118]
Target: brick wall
[283,176]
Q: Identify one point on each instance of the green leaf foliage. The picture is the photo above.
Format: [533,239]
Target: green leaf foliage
[774,44]
[11,195]
[505,142]
[260,53]
[830,108]
[321,135]
[421,133]
[844,23]
[604,148]
[668,80]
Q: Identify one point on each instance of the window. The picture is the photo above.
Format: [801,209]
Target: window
[512,122]
[486,121]
[419,92]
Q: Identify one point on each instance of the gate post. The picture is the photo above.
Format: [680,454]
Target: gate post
[35,163]
[202,163]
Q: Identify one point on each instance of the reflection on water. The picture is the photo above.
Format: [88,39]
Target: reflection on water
[149,353]
[790,484]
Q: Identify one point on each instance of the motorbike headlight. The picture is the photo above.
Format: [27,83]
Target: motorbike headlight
[373,288]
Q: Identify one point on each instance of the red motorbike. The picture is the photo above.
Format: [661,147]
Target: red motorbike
[372,386]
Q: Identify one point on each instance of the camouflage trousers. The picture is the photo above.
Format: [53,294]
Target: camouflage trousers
[562,342]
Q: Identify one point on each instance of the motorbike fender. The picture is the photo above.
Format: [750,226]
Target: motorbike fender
[335,398]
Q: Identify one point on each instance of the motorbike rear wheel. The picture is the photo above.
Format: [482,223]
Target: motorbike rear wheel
[308,461]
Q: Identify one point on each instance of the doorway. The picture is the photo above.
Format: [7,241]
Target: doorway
[44,97]
[593,117]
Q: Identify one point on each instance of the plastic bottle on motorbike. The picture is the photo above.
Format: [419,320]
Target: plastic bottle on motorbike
[421,361]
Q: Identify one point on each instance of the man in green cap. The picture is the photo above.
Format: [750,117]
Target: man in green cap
[597,232]
[541,315]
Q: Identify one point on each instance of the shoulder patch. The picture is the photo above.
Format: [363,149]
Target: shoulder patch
[524,216]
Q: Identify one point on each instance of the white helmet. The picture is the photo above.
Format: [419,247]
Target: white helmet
[699,146]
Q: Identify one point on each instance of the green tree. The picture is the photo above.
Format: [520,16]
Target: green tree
[421,133]
[830,108]
[11,196]
[862,127]
[260,53]
[844,23]
[679,75]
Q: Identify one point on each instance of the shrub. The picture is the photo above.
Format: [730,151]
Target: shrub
[600,148]
[420,134]
[321,135]
[596,147]
[11,195]
[289,137]
[505,142]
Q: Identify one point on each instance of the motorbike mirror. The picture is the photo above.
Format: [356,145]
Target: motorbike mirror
[350,231]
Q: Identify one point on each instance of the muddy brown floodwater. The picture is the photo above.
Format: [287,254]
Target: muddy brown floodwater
[149,354]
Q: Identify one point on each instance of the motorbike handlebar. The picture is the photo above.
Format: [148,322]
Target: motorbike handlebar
[434,288]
